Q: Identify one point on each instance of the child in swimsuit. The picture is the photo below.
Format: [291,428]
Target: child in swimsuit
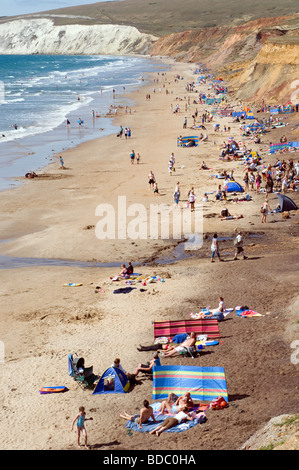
[81,418]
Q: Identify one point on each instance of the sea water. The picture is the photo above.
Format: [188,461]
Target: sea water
[39,93]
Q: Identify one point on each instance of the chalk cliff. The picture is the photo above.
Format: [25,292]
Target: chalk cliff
[32,36]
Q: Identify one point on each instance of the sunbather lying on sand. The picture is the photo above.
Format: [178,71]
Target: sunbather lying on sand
[174,404]
[183,347]
[170,422]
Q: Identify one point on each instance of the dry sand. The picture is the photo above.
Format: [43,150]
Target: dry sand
[41,322]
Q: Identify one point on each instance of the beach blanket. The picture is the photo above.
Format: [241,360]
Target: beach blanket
[205,311]
[151,425]
[203,383]
[247,312]
[171,328]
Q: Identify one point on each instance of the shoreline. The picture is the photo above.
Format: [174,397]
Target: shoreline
[56,216]
[36,152]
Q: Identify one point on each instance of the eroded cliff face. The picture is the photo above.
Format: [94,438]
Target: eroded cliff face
[260,58]
[273,76]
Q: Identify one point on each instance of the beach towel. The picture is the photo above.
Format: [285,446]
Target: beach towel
[205,311]
[203,383]
[171,328]
[151,425]
[123,290]
[247,312]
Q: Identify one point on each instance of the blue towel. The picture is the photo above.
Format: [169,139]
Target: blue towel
[151,425]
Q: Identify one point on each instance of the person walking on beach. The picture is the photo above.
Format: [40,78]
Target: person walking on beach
[191,199]
[177,195]
[132,156]
[215,248]
[238,242]
[61,163]
[151,179]
[265,211]
[258,181]
[81,418]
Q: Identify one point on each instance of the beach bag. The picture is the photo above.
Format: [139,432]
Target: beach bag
[218,404]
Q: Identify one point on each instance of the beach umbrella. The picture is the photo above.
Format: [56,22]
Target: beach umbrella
[286,203]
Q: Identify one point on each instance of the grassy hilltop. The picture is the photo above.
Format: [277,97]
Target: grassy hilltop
[163,17]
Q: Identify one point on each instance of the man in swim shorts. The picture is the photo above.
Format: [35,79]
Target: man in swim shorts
[143,417]
[183,347]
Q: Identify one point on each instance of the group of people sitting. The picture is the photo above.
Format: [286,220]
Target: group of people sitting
[180,409]
[126,271]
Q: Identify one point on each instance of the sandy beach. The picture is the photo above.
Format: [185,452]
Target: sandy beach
[54,216]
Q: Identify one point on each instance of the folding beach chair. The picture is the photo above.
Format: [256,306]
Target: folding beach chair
[82,375]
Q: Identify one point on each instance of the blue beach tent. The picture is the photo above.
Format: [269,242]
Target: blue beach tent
[234,187]
[113,380]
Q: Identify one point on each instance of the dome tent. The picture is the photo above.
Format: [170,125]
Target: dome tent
[234,187]
[113,380]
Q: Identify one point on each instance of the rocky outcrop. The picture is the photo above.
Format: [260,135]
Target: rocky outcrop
[41,36]
[280,433]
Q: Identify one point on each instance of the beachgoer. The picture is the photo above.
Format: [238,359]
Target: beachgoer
[239,246]
[191,199]
[147,369]
[246,182]
[118,365]
[124,271]
[138,158]
[183,347]
[156,190]
[130,268]
[151,179]
[177,194]
[217,313]
[132,156]
[174,404]
[265,211]
[143,417]
[170,422]
[215,248]
[81,418]
[61,163]
[225,184]
[258,180]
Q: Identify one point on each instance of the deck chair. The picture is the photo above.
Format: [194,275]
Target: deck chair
[82,375]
